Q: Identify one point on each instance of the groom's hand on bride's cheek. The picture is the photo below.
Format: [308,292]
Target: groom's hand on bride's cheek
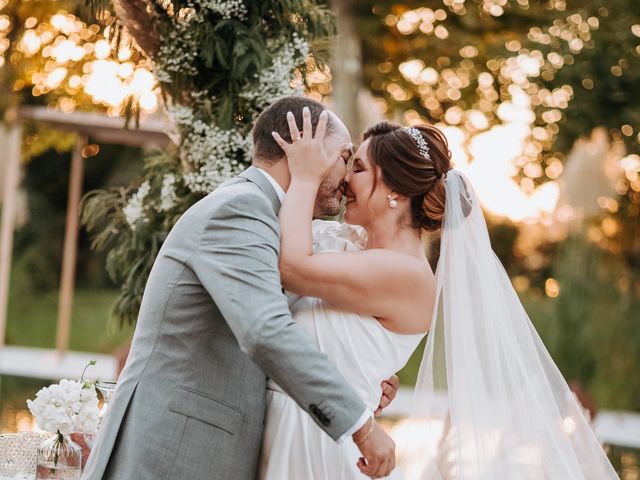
[389,390]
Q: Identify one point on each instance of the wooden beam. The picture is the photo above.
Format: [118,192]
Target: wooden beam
[101,127]
[69,256]
[11,178]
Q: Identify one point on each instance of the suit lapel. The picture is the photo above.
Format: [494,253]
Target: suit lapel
[253,175]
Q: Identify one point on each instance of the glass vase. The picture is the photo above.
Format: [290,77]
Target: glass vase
[106,389]
[85,441]
[59,458]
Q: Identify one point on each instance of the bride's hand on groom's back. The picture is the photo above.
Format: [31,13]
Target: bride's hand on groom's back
[375,445]
[389,390]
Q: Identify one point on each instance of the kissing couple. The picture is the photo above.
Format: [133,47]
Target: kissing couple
[267,340]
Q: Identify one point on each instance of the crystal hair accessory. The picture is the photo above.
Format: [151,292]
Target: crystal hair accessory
[423,146]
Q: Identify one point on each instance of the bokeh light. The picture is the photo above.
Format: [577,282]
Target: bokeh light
[63,57]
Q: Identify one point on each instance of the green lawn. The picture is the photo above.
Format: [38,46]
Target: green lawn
[32,321]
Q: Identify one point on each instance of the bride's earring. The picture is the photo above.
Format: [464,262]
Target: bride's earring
[393,203]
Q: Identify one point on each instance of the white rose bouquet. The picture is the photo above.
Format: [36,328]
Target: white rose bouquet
[66,407]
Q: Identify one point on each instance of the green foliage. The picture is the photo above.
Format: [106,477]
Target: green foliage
[595,336]
[39,242]
[130,253]
[126,266]
[217,68]
[41,139]
[604,75]
[586,52]
[581,290]
[206,53]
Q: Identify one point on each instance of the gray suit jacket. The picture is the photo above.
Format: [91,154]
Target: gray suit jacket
[213,323]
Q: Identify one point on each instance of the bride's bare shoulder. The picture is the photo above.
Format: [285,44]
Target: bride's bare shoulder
[409,310]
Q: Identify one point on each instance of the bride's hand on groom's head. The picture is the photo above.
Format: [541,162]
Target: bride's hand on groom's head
[389,390]
[306,154]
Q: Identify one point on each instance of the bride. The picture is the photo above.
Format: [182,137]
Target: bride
[510,412]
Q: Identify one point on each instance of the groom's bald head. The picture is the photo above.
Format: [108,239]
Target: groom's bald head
[274,119]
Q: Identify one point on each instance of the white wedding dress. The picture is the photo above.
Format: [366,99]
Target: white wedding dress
[365,353]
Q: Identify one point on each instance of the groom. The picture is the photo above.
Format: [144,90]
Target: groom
[214,322]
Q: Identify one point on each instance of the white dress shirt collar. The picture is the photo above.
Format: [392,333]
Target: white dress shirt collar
[276,186]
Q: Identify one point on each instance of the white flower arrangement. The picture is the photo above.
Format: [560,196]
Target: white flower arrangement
[134,209]
[226,8]
[276,80]
[179,52]
[213,154]
[168,197]
[66,407]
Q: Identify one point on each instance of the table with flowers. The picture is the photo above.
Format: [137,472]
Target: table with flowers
[68,414]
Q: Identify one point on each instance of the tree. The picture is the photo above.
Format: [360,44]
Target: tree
[466,63]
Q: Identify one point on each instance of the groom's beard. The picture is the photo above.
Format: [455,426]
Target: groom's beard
[329,198]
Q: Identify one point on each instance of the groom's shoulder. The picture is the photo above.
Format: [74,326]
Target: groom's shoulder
[236,195]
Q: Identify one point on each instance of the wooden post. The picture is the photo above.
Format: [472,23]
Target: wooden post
[11,176]
[67,281]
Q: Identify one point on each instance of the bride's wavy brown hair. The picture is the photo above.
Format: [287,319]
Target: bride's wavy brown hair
[407,172]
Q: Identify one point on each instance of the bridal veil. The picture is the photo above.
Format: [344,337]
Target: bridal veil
[510,413]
